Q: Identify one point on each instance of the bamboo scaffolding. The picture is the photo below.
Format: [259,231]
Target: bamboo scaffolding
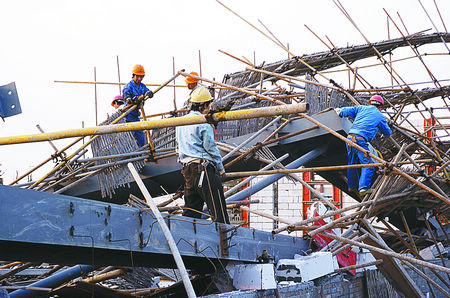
[387,253]
[392,71]
[315,169]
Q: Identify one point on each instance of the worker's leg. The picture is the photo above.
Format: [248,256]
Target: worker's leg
[366,173]
[192,198]
[352,174]
[140,137]
[212,192]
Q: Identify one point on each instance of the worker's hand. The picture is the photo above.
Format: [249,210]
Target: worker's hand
[222,174]
[337,110]
[129,100]
[138,99]
[148,94]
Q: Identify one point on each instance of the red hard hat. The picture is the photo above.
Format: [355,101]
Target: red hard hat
[377,100]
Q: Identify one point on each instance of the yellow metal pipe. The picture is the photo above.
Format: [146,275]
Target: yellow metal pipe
[152,124]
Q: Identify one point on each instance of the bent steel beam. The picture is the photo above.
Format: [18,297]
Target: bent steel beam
[60,229]
[272,178]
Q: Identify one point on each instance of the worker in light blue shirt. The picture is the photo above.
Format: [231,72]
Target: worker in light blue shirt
[367,121]
[202,163]
[133,93]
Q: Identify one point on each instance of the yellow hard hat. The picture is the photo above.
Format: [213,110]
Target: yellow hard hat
[200,95]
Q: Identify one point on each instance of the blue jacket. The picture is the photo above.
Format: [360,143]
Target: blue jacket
[197,141]
[368,120]
[130,91]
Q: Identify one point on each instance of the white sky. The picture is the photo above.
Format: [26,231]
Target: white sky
[45,40]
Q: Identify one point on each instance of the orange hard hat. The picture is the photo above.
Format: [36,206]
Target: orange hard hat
[190,80]
[138,70]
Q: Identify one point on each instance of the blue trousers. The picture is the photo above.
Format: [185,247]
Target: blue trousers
[359,178]
[138,135]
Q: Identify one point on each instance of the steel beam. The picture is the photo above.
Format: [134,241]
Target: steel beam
[275,177]
[44,227]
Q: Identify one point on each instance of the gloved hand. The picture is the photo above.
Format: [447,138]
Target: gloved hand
[337,110]
[148,94]
[138,99]
[222,174]
[129,100]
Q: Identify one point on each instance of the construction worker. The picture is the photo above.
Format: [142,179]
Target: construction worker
[367,121]
[134,92]
[117,101]
[202,163]
[192,83]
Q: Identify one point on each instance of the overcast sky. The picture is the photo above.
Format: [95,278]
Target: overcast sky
[44,41]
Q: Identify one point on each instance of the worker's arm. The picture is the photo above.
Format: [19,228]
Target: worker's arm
[207,135]
[349,112]
[127,92]
[384,128]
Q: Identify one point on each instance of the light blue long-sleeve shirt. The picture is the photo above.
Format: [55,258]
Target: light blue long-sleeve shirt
[130,91]
[197,141]
[368,120]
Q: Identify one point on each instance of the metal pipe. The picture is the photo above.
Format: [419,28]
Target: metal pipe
[271,179]
[170,241]
[248,179]
[168,122]
[251,138]
[386,252]
[114,156]
[54,280]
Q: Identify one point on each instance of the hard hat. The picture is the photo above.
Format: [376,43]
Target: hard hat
[118,99]
[376,100]
[138,70]
[200,95]
[190,80]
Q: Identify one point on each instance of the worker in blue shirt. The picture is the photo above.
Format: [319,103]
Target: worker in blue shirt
[134,92]
[202,163]
[367,121]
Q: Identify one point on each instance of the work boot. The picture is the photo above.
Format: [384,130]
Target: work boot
[364,191]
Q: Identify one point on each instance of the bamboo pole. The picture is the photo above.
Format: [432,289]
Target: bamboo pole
[45,161]
[336,221]
[167,234]
[15,270]
[426,278]
[234,88]
[168,122]
[328,214]
[348,268]
[344,247]
[286,77]
[314,169]
[387,253]
[101,277]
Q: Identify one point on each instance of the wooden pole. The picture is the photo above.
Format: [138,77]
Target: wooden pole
[348,268]
[386,252]
[168,122]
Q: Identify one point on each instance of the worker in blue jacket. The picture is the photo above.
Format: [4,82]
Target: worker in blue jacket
[134,92]
[367,121]
[202,163]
